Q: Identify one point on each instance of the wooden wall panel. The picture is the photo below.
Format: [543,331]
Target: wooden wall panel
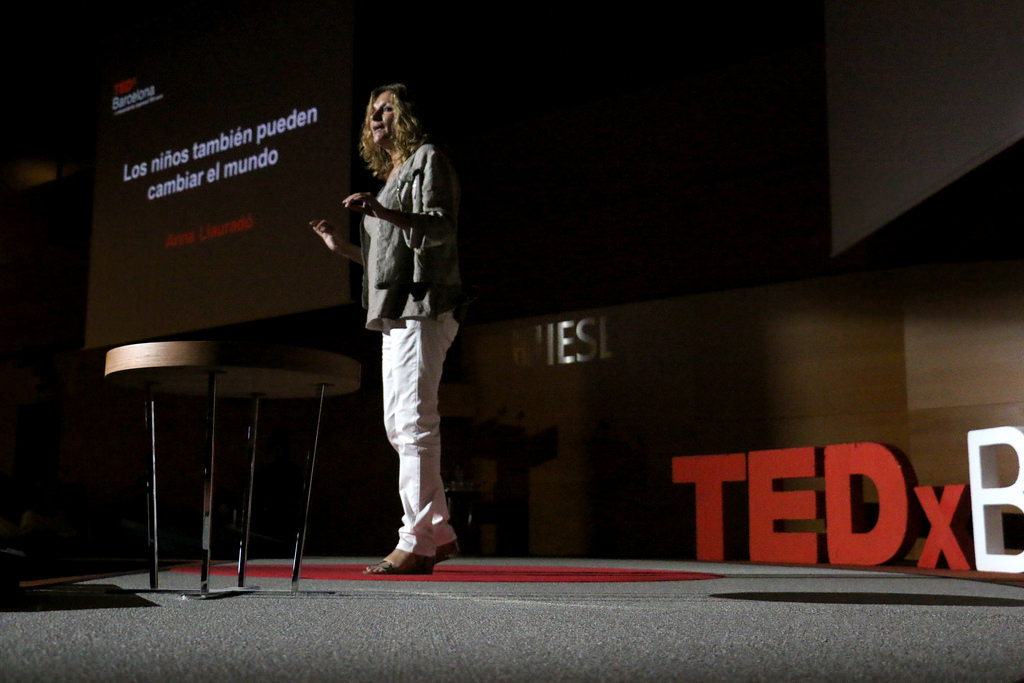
[964,334]
[799,364]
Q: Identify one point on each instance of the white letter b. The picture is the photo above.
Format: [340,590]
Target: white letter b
[988,498]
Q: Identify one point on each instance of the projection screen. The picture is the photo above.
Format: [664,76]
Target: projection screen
[221,134]
[920,92]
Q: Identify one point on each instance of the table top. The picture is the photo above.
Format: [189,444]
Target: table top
[242,369]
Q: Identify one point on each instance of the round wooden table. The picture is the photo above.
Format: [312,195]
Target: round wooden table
[229,369]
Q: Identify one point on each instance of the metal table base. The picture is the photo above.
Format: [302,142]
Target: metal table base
[232,369]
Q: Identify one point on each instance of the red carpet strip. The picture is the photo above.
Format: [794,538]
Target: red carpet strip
[484,573]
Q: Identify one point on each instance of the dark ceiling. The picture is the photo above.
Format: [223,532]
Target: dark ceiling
[484,64]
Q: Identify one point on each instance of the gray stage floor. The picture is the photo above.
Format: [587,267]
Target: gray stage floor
[755,623]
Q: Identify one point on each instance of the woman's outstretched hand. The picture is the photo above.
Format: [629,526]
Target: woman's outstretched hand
[363,202]
[329,234]
[326,231]
[366,203]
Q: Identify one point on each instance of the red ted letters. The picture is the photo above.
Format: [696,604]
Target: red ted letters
[784,489]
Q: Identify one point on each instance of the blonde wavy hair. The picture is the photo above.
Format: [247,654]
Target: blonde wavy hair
[408,131]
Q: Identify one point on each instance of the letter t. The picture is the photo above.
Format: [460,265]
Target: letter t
[709,473]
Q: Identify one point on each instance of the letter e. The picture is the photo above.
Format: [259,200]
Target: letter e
[564,340]
[771,505]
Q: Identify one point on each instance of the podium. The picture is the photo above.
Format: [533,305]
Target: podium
[217,369]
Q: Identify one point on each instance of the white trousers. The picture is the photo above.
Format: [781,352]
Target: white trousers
[412,357]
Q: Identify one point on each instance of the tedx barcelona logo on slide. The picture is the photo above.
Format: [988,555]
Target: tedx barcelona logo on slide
[129,96]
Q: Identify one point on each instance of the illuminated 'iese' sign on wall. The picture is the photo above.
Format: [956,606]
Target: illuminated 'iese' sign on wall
[563,342]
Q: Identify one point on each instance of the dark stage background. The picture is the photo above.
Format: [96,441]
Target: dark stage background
[580,187]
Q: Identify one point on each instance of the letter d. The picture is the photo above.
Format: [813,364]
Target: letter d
[987,498]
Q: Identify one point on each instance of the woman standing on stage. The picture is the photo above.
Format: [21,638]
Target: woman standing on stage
[411,291]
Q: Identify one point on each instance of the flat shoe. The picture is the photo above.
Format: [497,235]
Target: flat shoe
[414,564]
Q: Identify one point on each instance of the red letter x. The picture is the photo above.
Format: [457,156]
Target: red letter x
[948,519]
